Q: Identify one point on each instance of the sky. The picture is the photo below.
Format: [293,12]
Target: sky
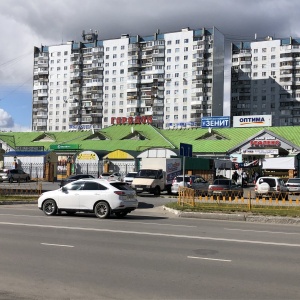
[28,23]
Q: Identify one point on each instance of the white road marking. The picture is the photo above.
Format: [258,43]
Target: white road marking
[57,245]
[153,234]
[129,221]
[207,258]
[262,231]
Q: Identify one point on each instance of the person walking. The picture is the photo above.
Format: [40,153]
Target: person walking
[244,178]
[235,176]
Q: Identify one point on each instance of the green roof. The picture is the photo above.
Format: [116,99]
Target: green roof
[139,137]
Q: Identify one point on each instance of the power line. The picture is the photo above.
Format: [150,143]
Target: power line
[16,59]
[14,90]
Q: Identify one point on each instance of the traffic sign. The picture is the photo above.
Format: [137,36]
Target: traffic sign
[186,150]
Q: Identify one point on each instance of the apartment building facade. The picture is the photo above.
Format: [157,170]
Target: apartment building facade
[170,80]
[265,80]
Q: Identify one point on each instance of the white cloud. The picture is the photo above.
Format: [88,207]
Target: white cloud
[6,119]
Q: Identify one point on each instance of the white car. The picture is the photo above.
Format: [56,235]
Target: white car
[191,181]
[129,177]
[100,196]
[271,186]
[111,176]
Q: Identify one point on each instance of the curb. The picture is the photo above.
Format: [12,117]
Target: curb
[235,217]
[12,202]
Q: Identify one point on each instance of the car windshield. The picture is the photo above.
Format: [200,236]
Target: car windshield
[222,182]
[294,180]
[131,175]
[147,173]
[121,186]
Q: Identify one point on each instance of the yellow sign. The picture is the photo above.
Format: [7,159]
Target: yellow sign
[119,154]
[87,156]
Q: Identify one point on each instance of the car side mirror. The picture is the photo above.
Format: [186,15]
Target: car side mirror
[64,189]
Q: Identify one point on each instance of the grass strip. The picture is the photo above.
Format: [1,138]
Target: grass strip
[283,211]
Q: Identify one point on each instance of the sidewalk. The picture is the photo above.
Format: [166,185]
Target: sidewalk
[244,217]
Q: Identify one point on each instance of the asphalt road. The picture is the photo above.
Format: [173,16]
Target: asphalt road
[151,254]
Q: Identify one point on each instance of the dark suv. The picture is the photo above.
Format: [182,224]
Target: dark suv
[14,175]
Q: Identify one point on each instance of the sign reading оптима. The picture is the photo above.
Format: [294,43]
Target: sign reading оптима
[215,122]
[252,121]
[65,147]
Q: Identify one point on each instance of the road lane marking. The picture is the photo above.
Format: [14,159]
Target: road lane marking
[57,245]
[152,234]
[262,231]
[84,219]
[207,258]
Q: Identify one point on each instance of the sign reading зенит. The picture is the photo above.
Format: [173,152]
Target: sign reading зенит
[215,122]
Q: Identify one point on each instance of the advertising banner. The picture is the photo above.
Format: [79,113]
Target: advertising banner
[252,121]
[215,122]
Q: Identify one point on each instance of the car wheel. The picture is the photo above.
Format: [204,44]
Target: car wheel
[102,210]
[50,207]
[156,191]
[121,214]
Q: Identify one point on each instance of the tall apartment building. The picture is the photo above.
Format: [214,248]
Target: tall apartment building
[170,80]
[265,79]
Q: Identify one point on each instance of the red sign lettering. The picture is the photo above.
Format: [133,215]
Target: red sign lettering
[265,143]
[131,120]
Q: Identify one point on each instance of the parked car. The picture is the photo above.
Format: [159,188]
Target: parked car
[129,177]
[100,196]
[72,178]
[12,175]
[111,176]
[192,181]
[271,186]
[293,185]
[225,187]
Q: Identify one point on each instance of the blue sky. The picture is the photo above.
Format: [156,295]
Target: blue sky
[25,24]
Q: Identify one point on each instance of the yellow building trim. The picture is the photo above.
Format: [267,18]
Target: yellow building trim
[118,154]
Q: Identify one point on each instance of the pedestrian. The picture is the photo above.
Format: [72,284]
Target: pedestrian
[244,178]
[235,176]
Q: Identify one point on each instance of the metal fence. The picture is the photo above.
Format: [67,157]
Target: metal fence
[188,196]
[38,171]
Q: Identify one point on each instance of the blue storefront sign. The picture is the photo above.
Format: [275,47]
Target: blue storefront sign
[215,122]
